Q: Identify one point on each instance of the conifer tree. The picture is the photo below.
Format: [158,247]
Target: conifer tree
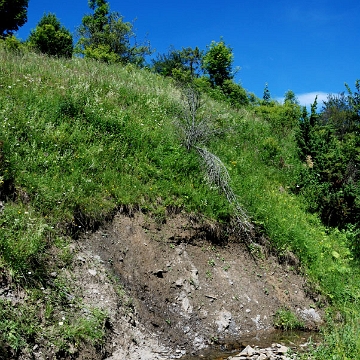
[266,96]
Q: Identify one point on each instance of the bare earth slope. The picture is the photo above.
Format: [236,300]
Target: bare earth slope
[178,292]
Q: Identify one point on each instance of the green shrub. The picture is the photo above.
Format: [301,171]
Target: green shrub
[286,320]
[11,43]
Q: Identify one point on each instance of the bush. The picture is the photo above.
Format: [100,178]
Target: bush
[235,94]
[286,320]
[13,44]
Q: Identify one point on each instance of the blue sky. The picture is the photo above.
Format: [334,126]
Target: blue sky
[310,47]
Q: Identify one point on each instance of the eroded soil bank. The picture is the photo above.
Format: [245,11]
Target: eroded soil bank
[170,292]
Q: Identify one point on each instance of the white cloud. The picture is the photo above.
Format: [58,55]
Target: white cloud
[307,99]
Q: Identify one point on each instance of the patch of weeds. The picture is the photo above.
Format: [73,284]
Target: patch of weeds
[23,237]
[214,339]
[168,321]
[211,262]
[226,267]
[17,324]
[256,251]
[209,275]
[89,329]
[284,319]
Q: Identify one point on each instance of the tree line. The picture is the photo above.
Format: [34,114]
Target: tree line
[105,36]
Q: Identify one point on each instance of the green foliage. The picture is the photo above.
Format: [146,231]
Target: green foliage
[271,150]
[266,95]
[329,144]
[290,98]
[23,237]
[186,60]
[104,36]
[342,112]
[282,118]
[235,94]
[286,320]
[11,43]
[217,63]
[22,325]
[13,15]
[50,38]
[341,340]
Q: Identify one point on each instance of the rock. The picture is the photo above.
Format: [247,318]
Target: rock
[276,352]
[223,320]
[185,305]
[282,349]
[262,357]
[195,278]
[92,272]
[310,315]
[248,351]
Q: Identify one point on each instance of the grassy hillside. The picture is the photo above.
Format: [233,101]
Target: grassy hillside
[79,139]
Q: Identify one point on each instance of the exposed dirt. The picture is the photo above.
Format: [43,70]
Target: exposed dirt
[169,291]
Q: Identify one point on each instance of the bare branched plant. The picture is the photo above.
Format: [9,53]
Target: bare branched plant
[219,176]
[196,130]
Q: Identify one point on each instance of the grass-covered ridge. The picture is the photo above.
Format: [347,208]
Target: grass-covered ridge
[80,138]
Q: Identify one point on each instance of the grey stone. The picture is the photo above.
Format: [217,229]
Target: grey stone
[179,282]
[262,357]
[223,320]
[248,351]
[310,315]
[282,349]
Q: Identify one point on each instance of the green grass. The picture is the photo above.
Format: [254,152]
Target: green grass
[286,320]
[81,138]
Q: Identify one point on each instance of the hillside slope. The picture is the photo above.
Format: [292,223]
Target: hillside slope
[82,140]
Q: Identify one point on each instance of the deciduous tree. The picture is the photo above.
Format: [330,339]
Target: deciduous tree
[51,38]
[106,37]
[217,62]
[13,15]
